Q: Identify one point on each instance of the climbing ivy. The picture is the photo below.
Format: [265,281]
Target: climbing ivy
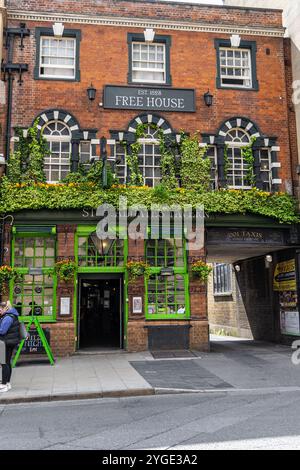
[26,163]
[195,165]
[247,155]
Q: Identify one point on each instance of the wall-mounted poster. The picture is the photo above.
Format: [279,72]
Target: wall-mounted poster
[285,276]
[289,322]
[137,305]
[65,303]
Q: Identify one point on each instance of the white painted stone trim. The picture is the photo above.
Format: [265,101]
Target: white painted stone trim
[277,181]
[275,149]
[36,16]
[275,165]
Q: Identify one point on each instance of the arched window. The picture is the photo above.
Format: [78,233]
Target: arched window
[237,169]
[57,163]
[149,158]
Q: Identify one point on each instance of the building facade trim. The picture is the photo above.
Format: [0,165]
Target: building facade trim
[20,15]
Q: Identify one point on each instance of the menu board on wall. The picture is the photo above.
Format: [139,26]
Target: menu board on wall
[285,284]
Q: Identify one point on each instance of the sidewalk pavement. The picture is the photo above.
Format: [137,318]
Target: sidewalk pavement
[234,365]
[78,377]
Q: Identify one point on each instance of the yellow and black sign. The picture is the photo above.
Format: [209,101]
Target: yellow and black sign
[285,276]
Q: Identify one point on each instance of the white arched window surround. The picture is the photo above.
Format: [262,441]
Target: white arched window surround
[236,139]
[58,162]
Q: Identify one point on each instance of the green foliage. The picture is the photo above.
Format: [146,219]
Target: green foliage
[201,270]
[65,269]
[161,193]
[27,162]
[167,163]
[137,269]
[226,161]
[17,197]
[247,154]
[7,274]
[195,166]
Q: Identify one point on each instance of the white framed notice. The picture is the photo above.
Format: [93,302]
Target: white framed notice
[65,303]
[137,305]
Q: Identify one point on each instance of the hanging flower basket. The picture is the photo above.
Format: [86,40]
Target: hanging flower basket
[65,270]
[7,274]
[137,269]
[201,270]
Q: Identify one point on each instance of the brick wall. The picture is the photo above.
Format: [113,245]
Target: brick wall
[104,60]
[152,9]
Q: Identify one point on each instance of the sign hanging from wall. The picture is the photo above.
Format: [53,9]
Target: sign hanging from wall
[149,99]
[285,276]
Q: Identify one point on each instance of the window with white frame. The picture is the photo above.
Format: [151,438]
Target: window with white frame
[212,155]
[237,170]
[148,62]
[57,58]
[58,161]
[149,159]
[85,152]
[235,67]
[265,169]
[222,274]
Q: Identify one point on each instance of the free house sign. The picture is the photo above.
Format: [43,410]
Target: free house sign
[149,99]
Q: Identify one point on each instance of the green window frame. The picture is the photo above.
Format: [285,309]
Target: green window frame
[167,289]
[34,265]
[165,252]
[99,255]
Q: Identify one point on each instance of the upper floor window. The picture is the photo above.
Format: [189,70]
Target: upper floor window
[57,58]
[237,171]
[149,62]
[236,66]
[149,158]
[58,162]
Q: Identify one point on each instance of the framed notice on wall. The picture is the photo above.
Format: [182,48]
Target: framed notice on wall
[137,305]
[65,304]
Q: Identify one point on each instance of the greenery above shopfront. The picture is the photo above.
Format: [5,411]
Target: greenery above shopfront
[25,185]
[15,197]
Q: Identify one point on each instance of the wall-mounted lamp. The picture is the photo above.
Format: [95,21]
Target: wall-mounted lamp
[237,268]
[208,98]
[149,35]
[58,30]
[91,92]
[269,258]
[235,40]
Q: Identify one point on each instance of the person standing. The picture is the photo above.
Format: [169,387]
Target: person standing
[9,333]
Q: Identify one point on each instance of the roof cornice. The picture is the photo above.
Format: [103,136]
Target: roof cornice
[145,23]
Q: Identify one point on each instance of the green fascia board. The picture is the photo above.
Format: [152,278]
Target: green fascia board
[239,220]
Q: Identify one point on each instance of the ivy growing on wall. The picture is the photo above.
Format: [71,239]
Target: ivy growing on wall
[247,154]
[27,161]
[195,165]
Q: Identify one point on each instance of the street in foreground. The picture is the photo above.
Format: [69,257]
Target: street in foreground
[232,420]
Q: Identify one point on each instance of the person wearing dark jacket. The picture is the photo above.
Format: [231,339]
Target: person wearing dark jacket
[9,333]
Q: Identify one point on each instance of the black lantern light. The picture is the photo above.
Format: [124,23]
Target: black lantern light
[208,98]
[91,92]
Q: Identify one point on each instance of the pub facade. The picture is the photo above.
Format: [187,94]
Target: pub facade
[103,82]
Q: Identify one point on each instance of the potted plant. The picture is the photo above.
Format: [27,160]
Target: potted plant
[65,269]
[7,274]
[137,269]
[201,270]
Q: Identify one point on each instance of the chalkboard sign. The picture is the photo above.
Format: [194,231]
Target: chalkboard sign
[34,345]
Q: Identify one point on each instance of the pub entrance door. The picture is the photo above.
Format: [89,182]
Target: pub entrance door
[100,322]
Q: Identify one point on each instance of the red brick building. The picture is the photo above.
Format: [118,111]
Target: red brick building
[65,49]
